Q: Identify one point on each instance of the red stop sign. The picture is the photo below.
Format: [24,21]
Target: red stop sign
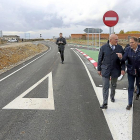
[110,18]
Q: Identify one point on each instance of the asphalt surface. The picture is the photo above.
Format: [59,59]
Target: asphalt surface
[76,116]
[136,121]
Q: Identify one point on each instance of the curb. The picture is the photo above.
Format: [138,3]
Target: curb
[89,58]
[94,62]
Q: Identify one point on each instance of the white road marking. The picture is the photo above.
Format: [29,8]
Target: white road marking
[34,103]
[24,66]
[110,18]
[92,61]
[118,118]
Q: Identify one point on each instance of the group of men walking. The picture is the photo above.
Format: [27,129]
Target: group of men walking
[112,63]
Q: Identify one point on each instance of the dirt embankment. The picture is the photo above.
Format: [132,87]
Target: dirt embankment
[12,55]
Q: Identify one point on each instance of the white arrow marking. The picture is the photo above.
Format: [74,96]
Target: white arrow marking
[118,118]
[110,18]
[34,103]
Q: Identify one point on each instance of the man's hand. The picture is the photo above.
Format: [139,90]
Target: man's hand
[123,72]
[119,55]
[99,72]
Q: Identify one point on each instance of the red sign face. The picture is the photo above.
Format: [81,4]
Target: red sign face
[110,18]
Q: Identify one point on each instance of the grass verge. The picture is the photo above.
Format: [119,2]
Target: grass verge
[91,53]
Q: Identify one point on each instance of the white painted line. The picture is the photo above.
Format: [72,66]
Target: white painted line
[118,118]
[34,103]
[92,61]
[110,18]
[23,66]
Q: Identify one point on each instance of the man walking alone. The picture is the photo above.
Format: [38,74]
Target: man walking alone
[61,42]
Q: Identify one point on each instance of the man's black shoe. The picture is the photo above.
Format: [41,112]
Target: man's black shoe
[103,107]
[62,62]
[128,107]
[137,96]
[112,100]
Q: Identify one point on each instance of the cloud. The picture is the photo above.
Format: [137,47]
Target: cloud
[71,15]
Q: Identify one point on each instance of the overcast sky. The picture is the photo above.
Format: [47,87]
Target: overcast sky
[50,17]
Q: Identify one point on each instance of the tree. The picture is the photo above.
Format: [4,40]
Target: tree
[132,32]
[121,32]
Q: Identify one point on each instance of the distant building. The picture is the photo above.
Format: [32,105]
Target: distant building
[102,36]
[9,37]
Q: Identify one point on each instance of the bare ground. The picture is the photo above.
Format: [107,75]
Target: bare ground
[14,54]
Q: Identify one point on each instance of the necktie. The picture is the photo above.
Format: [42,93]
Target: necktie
[112,48]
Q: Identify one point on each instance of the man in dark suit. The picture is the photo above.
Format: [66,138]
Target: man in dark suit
[110,66]
[61,42]
[132,55]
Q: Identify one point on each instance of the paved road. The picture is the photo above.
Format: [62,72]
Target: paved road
[76,114]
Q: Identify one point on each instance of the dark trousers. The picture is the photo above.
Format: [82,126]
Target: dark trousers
[61,54]
[131,80]
[106,84]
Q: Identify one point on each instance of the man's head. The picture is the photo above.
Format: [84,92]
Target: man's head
[133,41]
[113,39]
[60,34]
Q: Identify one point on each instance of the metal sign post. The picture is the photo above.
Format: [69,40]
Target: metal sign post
[94,31]
[109,30]
[113,30]
[95,39]
[99,40]
[92,38]
[88,36]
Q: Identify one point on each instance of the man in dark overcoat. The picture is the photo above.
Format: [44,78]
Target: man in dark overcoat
[61,42]
[110,67]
